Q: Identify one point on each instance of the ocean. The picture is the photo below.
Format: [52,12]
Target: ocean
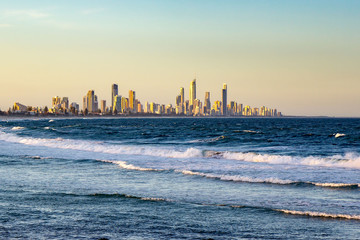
[180,178]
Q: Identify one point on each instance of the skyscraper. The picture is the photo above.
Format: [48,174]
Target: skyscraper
[182,95]
[132,101]
[207,102]
[224,100]
[85,103]
[192,91]
[117,104]
[114,92]
[103,106]
[56,101]
[90,101]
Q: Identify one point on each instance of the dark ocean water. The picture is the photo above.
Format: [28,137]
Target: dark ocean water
[173,178]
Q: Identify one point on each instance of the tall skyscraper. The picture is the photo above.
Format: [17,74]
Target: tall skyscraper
[117,104]
[192,91]
[132,101]
[207,102]
[90,101]
[85,103]
[224,100]
[182,96]
[114,92]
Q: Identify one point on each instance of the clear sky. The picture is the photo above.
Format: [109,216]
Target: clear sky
[301,57]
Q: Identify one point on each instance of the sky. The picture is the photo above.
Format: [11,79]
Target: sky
[300,57]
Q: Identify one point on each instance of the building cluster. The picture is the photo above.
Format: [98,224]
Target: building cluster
[122,105]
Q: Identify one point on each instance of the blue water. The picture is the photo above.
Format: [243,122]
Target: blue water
[173,178]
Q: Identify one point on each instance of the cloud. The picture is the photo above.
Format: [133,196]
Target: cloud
[92,11]
[4,25]
[30,13]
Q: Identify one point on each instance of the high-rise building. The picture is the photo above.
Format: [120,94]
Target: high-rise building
[114,92]
[178,100]
[132,101]
[224,100]
[207,102]
[240,109]
[182,96]
[192,91]
[56,102]
[96,104]
[103,106]
[90,101]
[65,103]
[124,104]
[85,103]
[146,107]
[117,104]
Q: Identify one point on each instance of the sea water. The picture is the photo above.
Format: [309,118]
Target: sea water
[180,178]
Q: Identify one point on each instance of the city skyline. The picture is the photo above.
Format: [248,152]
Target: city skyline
[193,106]
[299,56]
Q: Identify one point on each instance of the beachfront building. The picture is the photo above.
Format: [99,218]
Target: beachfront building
[192,95]
[132,104]
[103,106]
[19,108]
[224,100]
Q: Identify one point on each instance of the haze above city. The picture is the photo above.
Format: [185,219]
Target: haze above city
[298,56]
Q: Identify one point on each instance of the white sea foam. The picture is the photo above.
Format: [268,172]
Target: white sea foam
[51,120]
[125,165]
[336,185]
[349,160]
[17,128]
[99,147]
[153,199]
[320,214]
[236,178]
[337,135]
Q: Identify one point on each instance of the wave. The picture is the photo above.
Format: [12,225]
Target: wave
[95,146]
[319,214]
[17,128]
[125,165]
[337,185]
[337,135]
[268,180]
[155,199]
[349,160]
[237,178]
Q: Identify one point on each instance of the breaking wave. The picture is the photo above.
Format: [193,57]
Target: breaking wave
[17,128]
[337,135]
[268,180]
[320,214]
[125,165]
[349,160]
[99,147]
[236,178]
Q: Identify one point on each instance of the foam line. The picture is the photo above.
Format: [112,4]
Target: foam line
[319,214]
